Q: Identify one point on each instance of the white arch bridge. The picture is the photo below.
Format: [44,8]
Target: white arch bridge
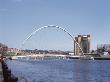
[51,26]
[49,55]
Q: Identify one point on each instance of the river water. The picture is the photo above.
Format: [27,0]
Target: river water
[61,70]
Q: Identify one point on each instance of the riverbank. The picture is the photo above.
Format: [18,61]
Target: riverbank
[43,56]
[5,72]
[95,58]
[101,58]
[1,73]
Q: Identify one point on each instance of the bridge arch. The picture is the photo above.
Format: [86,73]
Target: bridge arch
[52,26]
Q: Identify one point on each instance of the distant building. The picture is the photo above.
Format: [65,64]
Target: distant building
[12,50]
[102,49]
[84,43]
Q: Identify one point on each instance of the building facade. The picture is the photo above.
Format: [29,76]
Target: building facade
[84,43]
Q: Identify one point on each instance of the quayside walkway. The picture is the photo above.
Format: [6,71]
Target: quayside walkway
[5,72]
[1,73]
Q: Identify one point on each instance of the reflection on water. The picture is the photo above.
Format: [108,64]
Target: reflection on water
[60,70]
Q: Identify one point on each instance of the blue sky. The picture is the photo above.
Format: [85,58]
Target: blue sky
[17,18]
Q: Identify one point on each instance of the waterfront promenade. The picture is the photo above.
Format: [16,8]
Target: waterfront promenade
[41,56]
[1,73]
